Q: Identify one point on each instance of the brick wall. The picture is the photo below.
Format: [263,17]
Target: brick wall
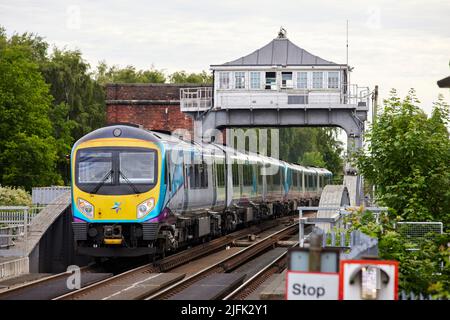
[154,106]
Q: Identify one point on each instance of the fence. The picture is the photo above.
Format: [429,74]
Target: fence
[13,220]
[357,242]
[416,232]
[46,195]
[403,295]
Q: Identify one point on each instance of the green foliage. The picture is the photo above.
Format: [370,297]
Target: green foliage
[408,159]
[184,77]
[37,164]
[129,74]
[79,98]
[27,148]
[424,266]
[10,196]
[296,142]
[312,158]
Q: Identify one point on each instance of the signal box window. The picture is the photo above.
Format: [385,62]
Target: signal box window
[286,80]
[239,80]
[271,81]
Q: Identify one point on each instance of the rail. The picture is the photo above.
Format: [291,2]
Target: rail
[226,264]
[354,241]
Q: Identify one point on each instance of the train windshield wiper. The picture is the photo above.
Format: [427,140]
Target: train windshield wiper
[131,184]
[102,182]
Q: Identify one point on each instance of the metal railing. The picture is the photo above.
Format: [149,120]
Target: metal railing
[403,295]
[200,98]
[416,232]
[339,233]
[46,195]
[14,224]
[195,99]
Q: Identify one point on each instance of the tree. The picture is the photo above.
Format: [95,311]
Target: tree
[295,142]
[313,158]
[27,148]
[184,77]
[129,74]
[408,159]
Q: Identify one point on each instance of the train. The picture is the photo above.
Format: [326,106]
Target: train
[138,192]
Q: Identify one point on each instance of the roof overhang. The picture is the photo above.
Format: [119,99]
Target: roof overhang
[444,83]
[293,67]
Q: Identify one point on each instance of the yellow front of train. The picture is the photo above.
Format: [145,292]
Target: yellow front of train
[116,191]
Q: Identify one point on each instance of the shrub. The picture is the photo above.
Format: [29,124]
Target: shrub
[10,196]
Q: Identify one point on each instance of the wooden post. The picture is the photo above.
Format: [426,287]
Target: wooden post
[315,249]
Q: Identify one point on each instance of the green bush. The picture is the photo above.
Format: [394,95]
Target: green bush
[10,196]
[424,266]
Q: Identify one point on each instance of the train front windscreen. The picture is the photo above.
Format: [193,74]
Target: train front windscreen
[116,171]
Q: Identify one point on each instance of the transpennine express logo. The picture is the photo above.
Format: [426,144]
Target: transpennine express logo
[116,206]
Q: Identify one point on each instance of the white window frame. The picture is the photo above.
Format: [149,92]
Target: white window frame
[224,84]
[298,79]
[314,82]
[255,82]
[337,78]
[242,76]
[286,86]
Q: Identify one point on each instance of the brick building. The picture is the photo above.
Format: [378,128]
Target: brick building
[154,106]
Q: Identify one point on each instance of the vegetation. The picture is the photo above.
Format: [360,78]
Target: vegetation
[408,159]
[129,74]
[28,152]
[14,197]
[424,264]
[318,147]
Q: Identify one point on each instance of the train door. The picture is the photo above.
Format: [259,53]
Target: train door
[174,165]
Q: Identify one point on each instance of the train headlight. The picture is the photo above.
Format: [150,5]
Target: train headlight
[145,207]
[86,208]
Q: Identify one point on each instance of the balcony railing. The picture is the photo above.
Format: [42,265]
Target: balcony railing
[195,99]
[200,99]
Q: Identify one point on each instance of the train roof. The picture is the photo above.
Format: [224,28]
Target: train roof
[127,131]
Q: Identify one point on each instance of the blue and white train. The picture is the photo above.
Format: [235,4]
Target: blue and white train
[137,192]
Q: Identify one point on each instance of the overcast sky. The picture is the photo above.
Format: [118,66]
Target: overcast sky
[395,44]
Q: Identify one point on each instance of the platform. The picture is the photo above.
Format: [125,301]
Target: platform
[13,266]
[275,290]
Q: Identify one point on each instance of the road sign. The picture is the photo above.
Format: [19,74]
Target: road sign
[368,280]
[312,285]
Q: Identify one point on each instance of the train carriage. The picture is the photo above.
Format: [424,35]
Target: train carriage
[138,192]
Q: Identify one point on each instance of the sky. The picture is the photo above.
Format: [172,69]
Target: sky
[393,44]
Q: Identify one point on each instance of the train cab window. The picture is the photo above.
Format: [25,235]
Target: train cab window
[198,176]
[94,166]
[137,167]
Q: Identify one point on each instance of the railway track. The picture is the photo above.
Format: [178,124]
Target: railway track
[252,284]
[52,286]
[135,283]
[225,265]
